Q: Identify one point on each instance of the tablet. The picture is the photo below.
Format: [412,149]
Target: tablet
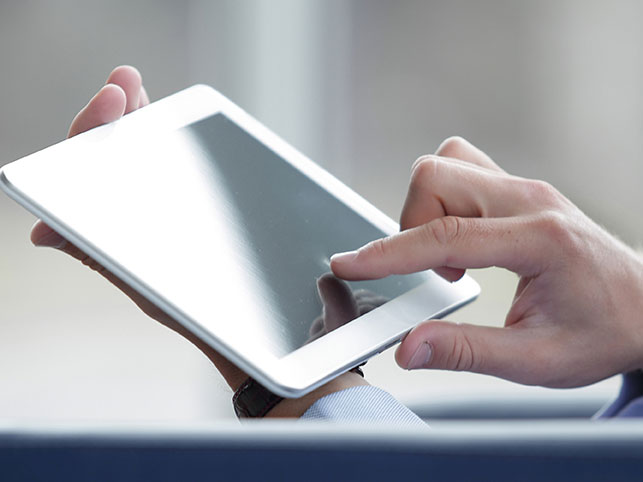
[228,229]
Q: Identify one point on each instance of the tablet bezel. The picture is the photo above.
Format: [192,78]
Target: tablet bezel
[306,368]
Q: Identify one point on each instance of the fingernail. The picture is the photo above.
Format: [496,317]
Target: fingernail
[346,257]
[421,357]
[51,240]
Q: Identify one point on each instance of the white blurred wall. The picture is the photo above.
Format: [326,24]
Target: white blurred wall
[551,89]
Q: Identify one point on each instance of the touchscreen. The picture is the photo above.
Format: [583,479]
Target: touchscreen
[283,228]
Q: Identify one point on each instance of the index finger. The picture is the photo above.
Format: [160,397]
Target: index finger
[514,243]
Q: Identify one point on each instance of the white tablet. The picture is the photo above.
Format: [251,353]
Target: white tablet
[227,228]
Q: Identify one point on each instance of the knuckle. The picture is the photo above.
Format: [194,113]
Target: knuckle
[419,160]
[378,248]
[559,230]
[424,171]
[555,226]
[453,147]
[541,192]
[463,356]
[445,230]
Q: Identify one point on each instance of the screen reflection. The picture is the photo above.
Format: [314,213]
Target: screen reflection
[340,305]
[284,227]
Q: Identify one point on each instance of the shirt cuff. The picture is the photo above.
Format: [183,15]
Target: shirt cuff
[363,403]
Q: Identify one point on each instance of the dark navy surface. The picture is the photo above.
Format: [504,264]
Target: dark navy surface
[528,450]
[259,464]
[344,456]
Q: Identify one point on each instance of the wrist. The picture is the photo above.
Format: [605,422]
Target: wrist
[296,407]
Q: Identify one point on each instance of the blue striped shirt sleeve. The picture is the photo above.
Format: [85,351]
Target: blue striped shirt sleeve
[363,403]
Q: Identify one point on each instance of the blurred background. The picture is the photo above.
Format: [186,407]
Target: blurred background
[550,89]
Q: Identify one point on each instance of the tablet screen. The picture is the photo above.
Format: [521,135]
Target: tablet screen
[283,228]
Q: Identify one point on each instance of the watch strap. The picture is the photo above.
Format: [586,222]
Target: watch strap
[253,400]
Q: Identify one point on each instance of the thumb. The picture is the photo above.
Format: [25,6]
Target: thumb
[451,346]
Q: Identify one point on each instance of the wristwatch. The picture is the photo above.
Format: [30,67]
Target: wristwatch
[253,400]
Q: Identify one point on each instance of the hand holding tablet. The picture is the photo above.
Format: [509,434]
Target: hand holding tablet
[219,229]
[123,93]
